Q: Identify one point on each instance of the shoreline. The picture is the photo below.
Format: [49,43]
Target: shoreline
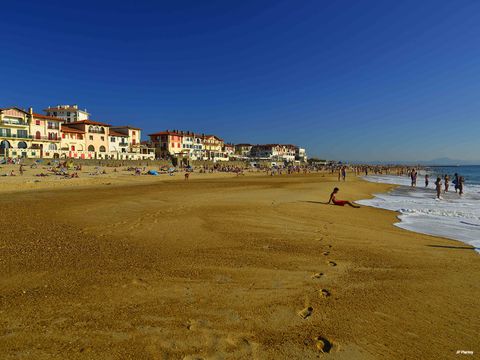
[420,212]
[222,267]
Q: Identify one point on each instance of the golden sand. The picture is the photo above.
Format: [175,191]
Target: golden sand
[253,267]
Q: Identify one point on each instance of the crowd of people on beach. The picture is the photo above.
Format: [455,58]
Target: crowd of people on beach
[68,169]
[458,182]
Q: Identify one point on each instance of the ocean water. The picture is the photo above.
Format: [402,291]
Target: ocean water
[454,216]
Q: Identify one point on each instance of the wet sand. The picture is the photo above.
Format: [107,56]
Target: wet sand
[226,267]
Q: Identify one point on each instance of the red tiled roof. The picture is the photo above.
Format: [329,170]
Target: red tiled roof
[71,130]
[126,127]
[89,122]
[215,136]
[40,116]
[166,133]
[14,107]
[115,133]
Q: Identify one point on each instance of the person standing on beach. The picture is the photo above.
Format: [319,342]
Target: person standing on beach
[413,177]
[447,179]
[344,173]
[438,185]
[455,182]
[461,180]
[426,180]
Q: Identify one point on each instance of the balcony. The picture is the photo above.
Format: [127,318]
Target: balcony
[46,138]
[15,136]
[123,144]
[53,127]
[14,123]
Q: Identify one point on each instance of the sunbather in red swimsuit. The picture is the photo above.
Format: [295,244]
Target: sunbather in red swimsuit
[340,202]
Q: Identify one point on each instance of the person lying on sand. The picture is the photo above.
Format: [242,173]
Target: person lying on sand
[339,202]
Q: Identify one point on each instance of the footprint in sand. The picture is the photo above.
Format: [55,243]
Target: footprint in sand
[140,282]
[332,263]
[317,275]
[305,313]
[326,253]
[324,293]
[322,344]
[196,324]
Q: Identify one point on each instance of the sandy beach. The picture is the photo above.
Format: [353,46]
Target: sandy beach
[224,267]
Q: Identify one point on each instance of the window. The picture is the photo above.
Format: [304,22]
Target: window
[91,148]
[37,122]
[73,147]
[102,149]
[133,132]
[102,138]
[112,139]
[63,136]
[68,113]
[37,135]
[22,133]
[91,137]
[80,137]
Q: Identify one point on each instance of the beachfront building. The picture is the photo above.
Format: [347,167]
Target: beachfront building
[187,143]
[15,137]
[118,144]
[301,154]
[243,150]
[134,135]
[73,143]
[167,143]
[287,152]
[266,151]
[198,148]
[229,150]
[274,152]
[125,144]
[46,135]
[213,146]
[69,113]
[96,137]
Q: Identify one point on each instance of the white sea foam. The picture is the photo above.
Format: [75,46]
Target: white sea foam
[454,216]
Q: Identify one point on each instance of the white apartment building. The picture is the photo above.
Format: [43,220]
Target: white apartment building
[187,143]
[278,152]
[198,148]
[69,113]
[301,154]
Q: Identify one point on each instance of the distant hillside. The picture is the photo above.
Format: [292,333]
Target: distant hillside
[434,162]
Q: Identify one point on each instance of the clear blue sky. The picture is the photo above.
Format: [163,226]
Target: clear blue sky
[349,80]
